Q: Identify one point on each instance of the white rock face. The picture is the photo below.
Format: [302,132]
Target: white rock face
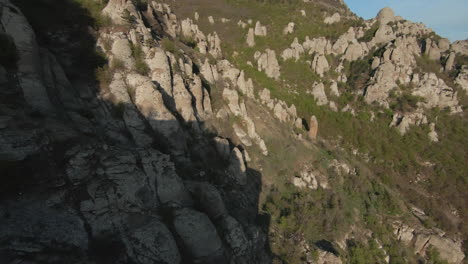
[260,30]
[320,65]
[313,128]
[289,29]
[335,18]
[385,15]
[268,63]
[250,39]
[303,13]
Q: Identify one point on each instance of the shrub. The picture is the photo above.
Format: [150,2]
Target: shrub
[168,45]
[103,76]
[140,64]
[369,34]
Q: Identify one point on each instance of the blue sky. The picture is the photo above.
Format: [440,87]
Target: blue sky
[449,18]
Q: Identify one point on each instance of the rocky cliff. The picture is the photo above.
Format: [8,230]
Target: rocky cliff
[201,132]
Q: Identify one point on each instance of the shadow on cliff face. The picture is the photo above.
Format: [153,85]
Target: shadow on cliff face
[82,189]
[68,30]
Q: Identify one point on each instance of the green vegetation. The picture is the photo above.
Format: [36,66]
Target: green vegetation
[369,34]
[140,64]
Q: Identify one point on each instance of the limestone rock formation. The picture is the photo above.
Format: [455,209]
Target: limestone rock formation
[313,128]
[260,30]
[462,78]
[250,39]
[335,18]
[268,63]
[320,65]
[385,15]
[289,29]
[318,91]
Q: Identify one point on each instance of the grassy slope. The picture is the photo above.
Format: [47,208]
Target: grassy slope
[393,161]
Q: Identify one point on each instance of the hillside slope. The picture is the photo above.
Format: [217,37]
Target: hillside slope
[229,131]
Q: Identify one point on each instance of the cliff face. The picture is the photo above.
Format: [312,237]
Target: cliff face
[143,132]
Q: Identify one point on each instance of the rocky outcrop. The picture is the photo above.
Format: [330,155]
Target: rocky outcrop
[313,128]
[289,29]
[335,18]
[461,47]
[101,189]
[318,91]
[260,30]
[422,239]
[462,78]
[385,16]
[268,63]
[250,39]
[320,65]
[295,51]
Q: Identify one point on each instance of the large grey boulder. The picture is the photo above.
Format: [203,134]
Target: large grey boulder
[153,242]
[197,233]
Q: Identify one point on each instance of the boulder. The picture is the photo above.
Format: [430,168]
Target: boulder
[153,242]
[385,16]
[192,227]
[289,29]
[267,62]
[211,20]
[250,38]
[335,18]
[461,46]
[320,65]
[260,30]
[313,128]
[450,63]
[462,78]
[318,91]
